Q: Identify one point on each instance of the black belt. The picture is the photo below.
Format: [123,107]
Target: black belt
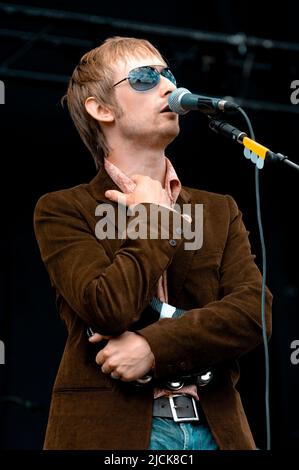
[180,408]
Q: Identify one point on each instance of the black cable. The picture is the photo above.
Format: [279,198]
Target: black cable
[264,269]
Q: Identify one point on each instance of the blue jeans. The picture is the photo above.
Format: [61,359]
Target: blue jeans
[168,435]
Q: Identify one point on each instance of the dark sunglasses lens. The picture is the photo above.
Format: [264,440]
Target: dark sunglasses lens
[168,74]
[143,78]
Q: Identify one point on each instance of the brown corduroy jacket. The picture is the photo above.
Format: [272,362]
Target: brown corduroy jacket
[107,284]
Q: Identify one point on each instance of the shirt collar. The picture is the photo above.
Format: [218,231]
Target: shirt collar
[172,183]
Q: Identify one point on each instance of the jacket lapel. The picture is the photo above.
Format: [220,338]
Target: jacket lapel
[100,184]
[178,269]
[97,188]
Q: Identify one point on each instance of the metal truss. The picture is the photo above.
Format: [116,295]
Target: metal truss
[240,41]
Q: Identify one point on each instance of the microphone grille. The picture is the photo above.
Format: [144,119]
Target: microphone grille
[174,100]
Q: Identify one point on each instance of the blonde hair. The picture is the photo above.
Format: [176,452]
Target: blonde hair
[93,76]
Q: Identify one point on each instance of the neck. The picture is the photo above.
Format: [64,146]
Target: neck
[147,162]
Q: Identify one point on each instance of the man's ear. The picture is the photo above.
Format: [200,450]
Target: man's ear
[97,111]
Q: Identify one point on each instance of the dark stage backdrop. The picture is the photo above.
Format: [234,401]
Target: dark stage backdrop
[41,152]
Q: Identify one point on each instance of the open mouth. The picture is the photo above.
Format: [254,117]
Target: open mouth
[166,110]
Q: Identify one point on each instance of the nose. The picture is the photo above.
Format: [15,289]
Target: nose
[166,86]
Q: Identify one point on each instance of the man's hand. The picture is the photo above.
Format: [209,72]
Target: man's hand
[127,357]
[146,190]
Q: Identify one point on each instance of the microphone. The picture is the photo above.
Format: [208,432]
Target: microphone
[182,100]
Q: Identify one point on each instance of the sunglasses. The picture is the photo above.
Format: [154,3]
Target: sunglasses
[147,77]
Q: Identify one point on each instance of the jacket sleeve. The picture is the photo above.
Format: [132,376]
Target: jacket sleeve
[107,294]
[222,330]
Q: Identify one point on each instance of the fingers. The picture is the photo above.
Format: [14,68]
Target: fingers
[116,196]
[103,360]
[114,375]
[96,337]
[147,190]
[107,368]
[138,178]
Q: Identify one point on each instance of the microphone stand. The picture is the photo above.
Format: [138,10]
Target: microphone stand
[258,154]
[252,149]
[278,157]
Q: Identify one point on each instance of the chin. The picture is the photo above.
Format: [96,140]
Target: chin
[172,133]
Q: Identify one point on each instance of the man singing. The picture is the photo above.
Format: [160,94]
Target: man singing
[160,312]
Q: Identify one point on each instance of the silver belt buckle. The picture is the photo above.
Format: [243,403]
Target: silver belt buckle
[173,407]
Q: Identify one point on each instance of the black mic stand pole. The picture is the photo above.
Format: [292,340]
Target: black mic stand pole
[253,150]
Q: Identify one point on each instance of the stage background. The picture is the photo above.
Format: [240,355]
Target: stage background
[41,152]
